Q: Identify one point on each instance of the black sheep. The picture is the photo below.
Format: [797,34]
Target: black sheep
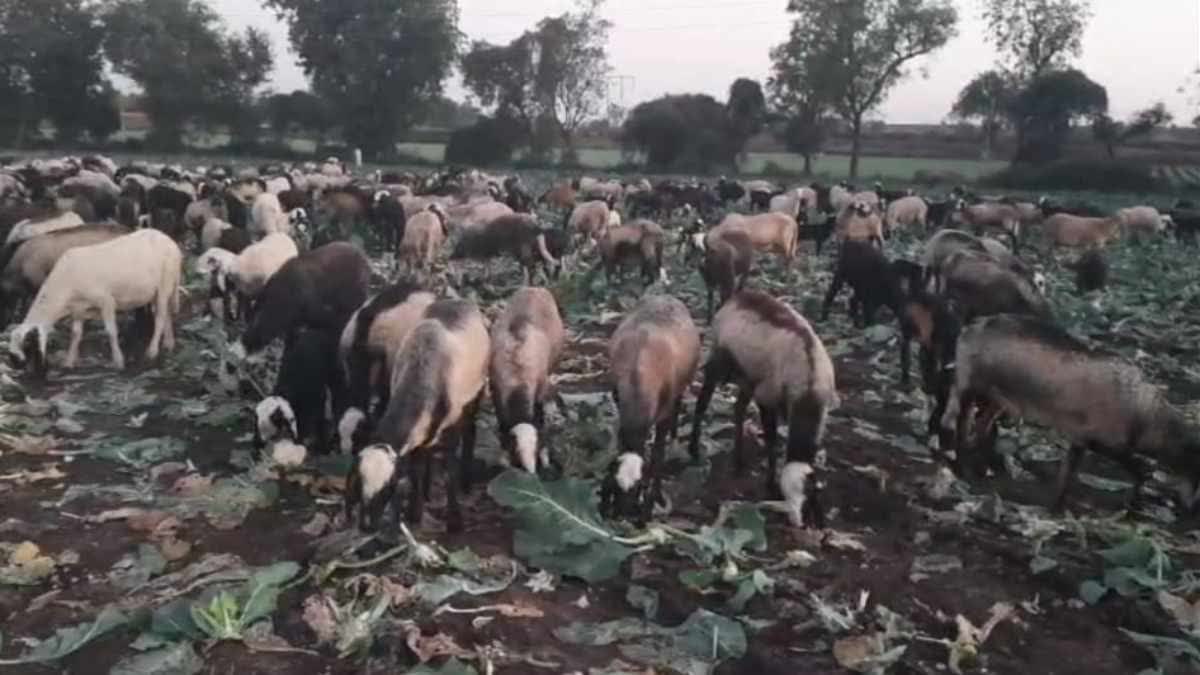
[389,219]
[730,191]
[166,198]
[233,239]
[874,280]
[517,235]
[307,375]
[818,233]
[1091,272]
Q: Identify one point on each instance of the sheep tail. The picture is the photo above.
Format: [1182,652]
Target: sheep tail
[545,252]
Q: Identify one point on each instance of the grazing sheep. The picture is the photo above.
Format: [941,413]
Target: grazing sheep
[438,379]
[307,373]
[371,339]
[777,232]
[318,289]
[730,191]
[34,258]
[257,263]
[423,237]
[27,229]
[201,211]
[991,217]
[518,235]
[906,212]
[653,356]
[589,220]
[641,241]
[387,212]
[129,272]
[780,363]
[1064,229]
[234,240]
[218,265]
[946,243]
[1031,369]
[727,261]
[840,197]
[559,197]
[874,281]
[527,340]
[1091,271]
[1142,221]
[983,286]
[210,232]
[860,222]
[818,233]
[267,216]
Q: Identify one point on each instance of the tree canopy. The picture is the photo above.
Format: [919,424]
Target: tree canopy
[1044,110]
[1113,133]
[378,63]
[187,65]
[747,111]
[1036,36]
[684,132]
[986,98]
[858,50]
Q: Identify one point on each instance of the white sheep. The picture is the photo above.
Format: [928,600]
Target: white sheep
[423,237]
[1141,220]
[260,260]
[211,232]
[267,216]
[27,229]
[134,271]
[589,220]
[906,212]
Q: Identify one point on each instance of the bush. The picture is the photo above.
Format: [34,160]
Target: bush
[931,178]
[1076,175]
[489,141]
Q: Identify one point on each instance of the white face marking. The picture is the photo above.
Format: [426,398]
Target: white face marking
[347,426]
[662,274]
[238,351]
[266,409]
[525,438]
[289,454]
[1039,281]
[793,481]
[376,468]
[698,241]
[629,470]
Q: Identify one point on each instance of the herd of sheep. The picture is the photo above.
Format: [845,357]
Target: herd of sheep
[392,374]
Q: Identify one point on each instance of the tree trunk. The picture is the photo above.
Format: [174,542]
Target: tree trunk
[807,164]
[855,145]
[569,156]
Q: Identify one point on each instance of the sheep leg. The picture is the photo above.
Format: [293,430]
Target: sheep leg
[715,373]
[1134,467]
[161,316]
[468,442]
[76,338]
[108,313]
[739,420]
[1066,472]
[454,518]
[654,492]
[770,422]
[835,287]
[416,505]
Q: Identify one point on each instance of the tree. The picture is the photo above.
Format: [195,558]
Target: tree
[1112,133]
[985,98]
[53,63]
[1045,109]
[378,63]
[747,111]
[685,132]
[555,74]
[858,50]
[1036,36]
[489,140]
[190,70]
[797,96]
[447,113]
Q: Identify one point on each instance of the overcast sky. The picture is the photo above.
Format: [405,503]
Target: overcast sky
[676,46]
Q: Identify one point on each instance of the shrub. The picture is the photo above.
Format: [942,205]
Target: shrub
[1076,175]
[488,141]
[931,178]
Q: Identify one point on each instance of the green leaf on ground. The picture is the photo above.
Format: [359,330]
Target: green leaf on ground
[68,640]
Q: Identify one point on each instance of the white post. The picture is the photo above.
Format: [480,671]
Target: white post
[358,158]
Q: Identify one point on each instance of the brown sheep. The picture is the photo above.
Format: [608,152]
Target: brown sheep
[641,241]
[423,237]
[728,257]
[1064,229]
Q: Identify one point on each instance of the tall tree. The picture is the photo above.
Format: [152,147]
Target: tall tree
[688,132]
[1112,133]
[555,74]
[747,111]
[189,68]
[861,49]
[1045,109]
[797,95]
[986,98]
[1036,36]
[377,62]
[53,63]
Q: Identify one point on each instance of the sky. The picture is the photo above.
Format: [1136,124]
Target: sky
[675,46]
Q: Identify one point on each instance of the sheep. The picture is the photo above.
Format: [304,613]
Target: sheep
[946,243]
[1030,368]
[306,374]
[438,379]
[34,258]
[840,197]
[559,197]
[642,241]
[257,263]
[219,265]
[527,341]
[983,286]
[906,212]
[795,203]
[874,281]
[27,229]
[369,343]
[1139,221]
[210,232]
[730,191]
[653,356]
[423,237]
[780,363]
[726,264]
[860,222]
[589,220]
[889,196]
[267,216]
[318,289]
[201,211]
[1091,271]
[1064,229]
[991,216]
[390,220]
[128,272]
[234,240]
[777,232]
[518,235]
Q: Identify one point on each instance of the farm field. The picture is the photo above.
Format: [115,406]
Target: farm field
[141,534]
